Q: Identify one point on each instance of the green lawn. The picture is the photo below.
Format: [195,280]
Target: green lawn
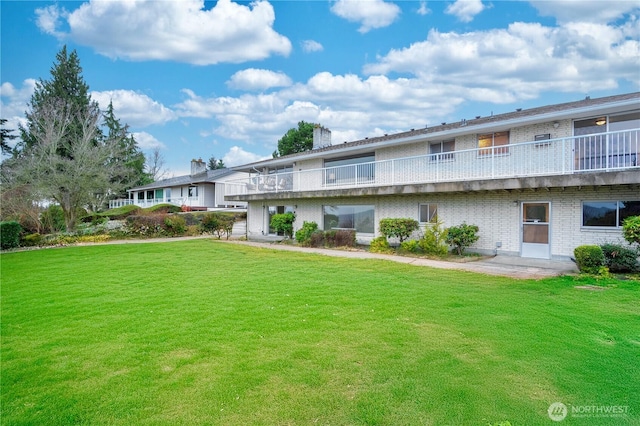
[206,332]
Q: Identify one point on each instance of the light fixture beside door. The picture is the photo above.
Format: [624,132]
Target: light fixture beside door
[601,121]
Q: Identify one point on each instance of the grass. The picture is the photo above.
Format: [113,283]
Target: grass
[206,332]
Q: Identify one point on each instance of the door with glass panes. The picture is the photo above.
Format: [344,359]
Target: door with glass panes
[536,230]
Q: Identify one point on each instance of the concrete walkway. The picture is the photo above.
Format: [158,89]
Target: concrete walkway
[509,266]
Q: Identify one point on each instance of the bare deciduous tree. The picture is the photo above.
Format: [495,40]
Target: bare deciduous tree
[155,165]
[75,173]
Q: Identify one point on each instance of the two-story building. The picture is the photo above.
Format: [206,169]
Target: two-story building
[537,182]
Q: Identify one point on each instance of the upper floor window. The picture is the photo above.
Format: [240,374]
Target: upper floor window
[493,143]
[442,150]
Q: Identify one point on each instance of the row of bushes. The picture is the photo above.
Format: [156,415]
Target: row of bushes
[599,260]
[434,241]
[605,258]
[100,229]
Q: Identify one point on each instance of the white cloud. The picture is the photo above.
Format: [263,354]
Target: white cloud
[147,141]
[586,11]
[465,10]
[133,108]
[519,62]
[180,31]
[14,101]
[258,79]
[238,156]
[49,18]
[438,76]
[309,46]
[423,9]
[371,14]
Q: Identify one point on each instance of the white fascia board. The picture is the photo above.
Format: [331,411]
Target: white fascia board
[498,125]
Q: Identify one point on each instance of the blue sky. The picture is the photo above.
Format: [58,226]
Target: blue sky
[228,79]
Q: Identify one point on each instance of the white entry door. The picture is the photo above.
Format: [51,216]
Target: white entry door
[535,230]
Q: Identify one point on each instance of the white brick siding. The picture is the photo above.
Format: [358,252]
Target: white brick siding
[497,214]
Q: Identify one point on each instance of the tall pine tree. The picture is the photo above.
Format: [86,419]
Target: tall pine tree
[68,90]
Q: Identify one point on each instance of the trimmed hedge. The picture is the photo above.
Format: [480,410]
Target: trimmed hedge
[10,234]
[589,258]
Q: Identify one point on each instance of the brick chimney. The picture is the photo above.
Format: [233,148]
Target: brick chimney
[321,137]
[198,166]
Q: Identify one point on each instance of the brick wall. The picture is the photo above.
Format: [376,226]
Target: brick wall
[497,214]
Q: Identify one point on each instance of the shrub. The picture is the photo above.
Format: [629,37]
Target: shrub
[210,223]
[146,226]
[163,208]
[215,223]
[330,238]
[631,229]
[399,228]
[411,246]
[32,240]
[620,259]
[10,234]
[380,245]
[283,222]
[434,240]
[345,238]
[52,219]
[226,226]
[303,235]
[462,236]
[175,225]
[589,258]
[317,239]
[123,212]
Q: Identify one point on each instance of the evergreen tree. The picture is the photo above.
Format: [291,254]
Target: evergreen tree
[5,136]
[215,164]
[67,89]
[131,161]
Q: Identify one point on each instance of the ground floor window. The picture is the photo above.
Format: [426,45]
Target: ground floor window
[193,191]
[428,213]
[609,214]
[358,217]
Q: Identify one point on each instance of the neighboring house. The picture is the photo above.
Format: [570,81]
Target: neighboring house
[537,182]
[201,190]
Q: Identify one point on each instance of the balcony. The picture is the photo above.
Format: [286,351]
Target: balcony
[152,202]
[602,152]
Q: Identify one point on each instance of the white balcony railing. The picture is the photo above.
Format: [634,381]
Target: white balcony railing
[192,201]
[598,152]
